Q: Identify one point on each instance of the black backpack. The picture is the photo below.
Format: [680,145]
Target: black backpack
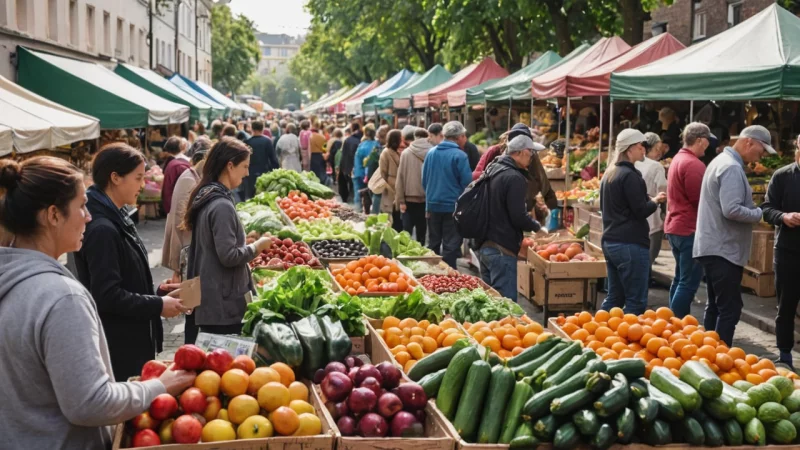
[472,207]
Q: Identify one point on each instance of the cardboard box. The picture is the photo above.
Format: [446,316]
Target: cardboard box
[560,291]
[762,251]
[571,269]
[762,283]
[524,280]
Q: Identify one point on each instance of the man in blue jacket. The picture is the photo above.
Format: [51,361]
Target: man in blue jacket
[445,175]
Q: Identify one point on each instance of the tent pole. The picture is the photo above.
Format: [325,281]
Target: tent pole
[558,115]
[510,99]
[691,110]
[610,126]
[531,111]
[567,174]
[486,118]
[600,142]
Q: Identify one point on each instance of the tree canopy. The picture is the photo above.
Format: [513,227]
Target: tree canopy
[234,49]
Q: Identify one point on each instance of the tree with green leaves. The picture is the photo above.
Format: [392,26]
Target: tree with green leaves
[234,49]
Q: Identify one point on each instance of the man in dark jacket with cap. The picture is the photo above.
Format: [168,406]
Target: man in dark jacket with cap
[508,210]
[348,160]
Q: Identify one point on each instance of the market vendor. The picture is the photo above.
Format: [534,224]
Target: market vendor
[58,384]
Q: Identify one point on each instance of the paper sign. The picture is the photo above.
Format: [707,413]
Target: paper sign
[190,293]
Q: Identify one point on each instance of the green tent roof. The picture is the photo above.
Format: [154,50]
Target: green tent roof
[384,99]
[429,80]
[759,59]
[155,83]
[517,86]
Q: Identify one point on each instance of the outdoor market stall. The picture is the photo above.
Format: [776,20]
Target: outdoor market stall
[338,97]
[383,100]
[319,101]
[188,86]
[233,108]
[337,106]
[401,100]
[354,107]
[469,76]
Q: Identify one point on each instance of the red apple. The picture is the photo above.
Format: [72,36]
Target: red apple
[190,357]
[219,361]
[163,407]
[145,438]
[145,421]
[193,401]
[186,430]
[152,369]
[214,405]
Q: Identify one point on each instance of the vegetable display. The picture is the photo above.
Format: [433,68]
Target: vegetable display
[422,268]
[297,206]
[286,253]
[283,181]
[477,305]
[418,305]
[339,248]
[373,274]
[259,218]
[440,284]
[410,340]
[326,229]
[346,212]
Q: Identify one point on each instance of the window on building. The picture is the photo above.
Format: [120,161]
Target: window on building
[284,52]
[52,20]
[90,28]
[106,33]
[143,48]
[22,15]
[734,14]
[73,22]
[170,58]
[163,61]
[180,62]
[267,51]
[132,43]
[658,28]
[190,68]
[699,26]
[119,45]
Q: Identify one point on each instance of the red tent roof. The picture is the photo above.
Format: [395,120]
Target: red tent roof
[470,76]
[597,81]
[340,107]
[553,83]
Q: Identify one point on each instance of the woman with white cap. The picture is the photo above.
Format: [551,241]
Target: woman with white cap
[626,206]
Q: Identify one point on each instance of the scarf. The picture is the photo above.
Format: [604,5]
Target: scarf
[206,194]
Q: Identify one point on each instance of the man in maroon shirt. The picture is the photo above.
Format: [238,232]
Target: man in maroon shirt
[173,168]
[683,195]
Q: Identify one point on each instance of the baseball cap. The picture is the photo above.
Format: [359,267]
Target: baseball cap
[523,142]
[760,134]
[519,129]
[628,137]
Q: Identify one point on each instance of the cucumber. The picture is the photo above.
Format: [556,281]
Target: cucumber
[700,415]
[501,386]
[638,388]
[527,369]
[782,431]
[471,400]
[668,408]
[539,405]
[701,378]
[631,368]
[754,433]
[692,431]
[522,392]
[436,361]
[657,433]
[721,408]
[745,413]
[531,353]
[614,399]
[525,443]
[737,395]
[763,393]
[545,428]
[732,432]
[596,365]
[645,409]
[626,424]
[430,383]
[604,438]
[570,403]
[714,434]
[554,364]
[524,429]
[575,365]
[598,382]
[771,412]
[668,383]
[453,382]
[742,385]
[586,422]
[566,437]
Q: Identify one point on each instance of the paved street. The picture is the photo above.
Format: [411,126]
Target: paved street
[751,338]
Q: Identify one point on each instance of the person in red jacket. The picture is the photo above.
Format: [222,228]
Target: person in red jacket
[173,168]
[683,192]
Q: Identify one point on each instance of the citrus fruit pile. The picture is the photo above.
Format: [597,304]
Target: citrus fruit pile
[507,337]
[409,340]
[373,274]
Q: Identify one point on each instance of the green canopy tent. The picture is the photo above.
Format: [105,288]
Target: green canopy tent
[383,100]
[517,86]
[94,90]
[401,99]
[217,110]
[759,59]
[155,83]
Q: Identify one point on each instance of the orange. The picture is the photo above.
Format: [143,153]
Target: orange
[711,342]
[672,363]
[570,328]
[429,344]
[764,363]
[742,367]
[602,351]
[273,395]
[285,420]
[433,331]
[452,338]
[616,312]
[505,354]
[602,316]
[645,355]
[635,332]
[535,327]
[601,333]
[234,382]
[408,365]
[591,327]
[650,314]
[646,338]
[208,383]
[754,378]
[675,322]
[619,347]
[708,352]
[493,343]
[595,345]
[448,323]
[424,324]
[722,348]
[724,362]
[611,354]
[766,374]
[664,313]
[500,332]
[667,334]
[655,344]
[417,331]
[697,338]
[666,352]
[622,329]
[688,351]
[402,357]
[521,330]
[298,391]
[241,407]
[584,317]
[511,341]
[416,339]
[573,320]
[627,354]
[529,339]
[656,362]
[543,336]
[678,344]
[635,346]
[259,377]
[479,336]
[751,359]
[730,377]
[390,322]
[611,340]
[659,326]
[631,319]
[614,322]
[516,351]
[736,353]
[579,335]
[689,329]
[712,334]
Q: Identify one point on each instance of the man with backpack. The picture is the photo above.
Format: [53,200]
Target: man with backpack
[507,184]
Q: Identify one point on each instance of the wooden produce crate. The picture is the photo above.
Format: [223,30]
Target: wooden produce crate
[571,269]
[552,325]
[525,278]
[762,250]
[762,283]
[337,287]
[596,237]
[596,222]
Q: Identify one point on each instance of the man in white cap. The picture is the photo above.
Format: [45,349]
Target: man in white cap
[725,219]
[509,216]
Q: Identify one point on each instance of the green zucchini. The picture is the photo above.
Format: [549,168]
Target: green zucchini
[539,405]
[575,365]
[754,433]
[527,369]
[436,361]
[524,429]
[454,378]
[533,352]
[501,387]
[737,395]
[668,383]
[742,385]
[566,437]
[646,409]
[631,368]
[586,422]
[638,388]
[522,392]
[525,443]
[721,408]
[668,408]
[554,364]
[745,413]
[337,343]
[713,433]
[604,437]
[701,378]
[732,432]
[545,428]
[471,400]
[692,431]
[494,359]
[771,412]
[570,403]
[596,365]
[614,399]
[626,424]
[309,332]
[430,383]
[598,382]
[657,433]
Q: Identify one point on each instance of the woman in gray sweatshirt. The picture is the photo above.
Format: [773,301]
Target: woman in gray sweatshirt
[58,388]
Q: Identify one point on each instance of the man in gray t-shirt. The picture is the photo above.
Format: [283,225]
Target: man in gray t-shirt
[725,219]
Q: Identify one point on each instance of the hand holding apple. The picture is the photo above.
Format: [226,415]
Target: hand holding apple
[176,381]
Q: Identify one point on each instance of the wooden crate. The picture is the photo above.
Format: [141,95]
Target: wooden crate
[596,222]
[524,279]
[762,251]
[596,237]
[571,269]
[561,291]
[553,326]
[763,284]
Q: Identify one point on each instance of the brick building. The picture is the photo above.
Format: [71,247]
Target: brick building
[691,21]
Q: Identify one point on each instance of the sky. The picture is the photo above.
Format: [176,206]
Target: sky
[274,16]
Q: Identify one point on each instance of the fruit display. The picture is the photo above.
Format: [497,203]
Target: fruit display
[662,340]
[339,248]
[563,252]
[286,253]
[373,402]
[506,337]
[373,274]
[298,206]
[283,181]
[410,340]
[551,161]
[440,284]
[580,189]
[326,229]
[258,402]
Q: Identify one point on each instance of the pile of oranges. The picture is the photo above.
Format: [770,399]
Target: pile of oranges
[662,339]
[373,274]
[507,337]
[409,340]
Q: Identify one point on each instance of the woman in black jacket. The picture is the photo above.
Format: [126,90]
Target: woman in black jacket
[113,263]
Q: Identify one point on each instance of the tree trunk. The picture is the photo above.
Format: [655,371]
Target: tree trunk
[633,17]
[561,25]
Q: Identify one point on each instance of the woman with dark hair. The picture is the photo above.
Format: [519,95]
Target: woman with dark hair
[389,164]
[51,338]
[113,263]
[218,253]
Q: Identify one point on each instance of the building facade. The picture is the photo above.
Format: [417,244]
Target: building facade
[692,21]
[276,51]
[111,31]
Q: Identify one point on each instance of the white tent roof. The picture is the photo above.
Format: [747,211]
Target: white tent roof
[219,97]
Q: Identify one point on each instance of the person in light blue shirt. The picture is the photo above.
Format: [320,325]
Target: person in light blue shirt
[359,165]
[445,175]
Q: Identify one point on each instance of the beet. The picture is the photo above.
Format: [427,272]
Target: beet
[389,404]
[319,375]
[367,370]
[372,425]
[336,386]
[361,400]
[335,366]
[372,384]
[347,425]
[390,373]
[406,425]
[412,395]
